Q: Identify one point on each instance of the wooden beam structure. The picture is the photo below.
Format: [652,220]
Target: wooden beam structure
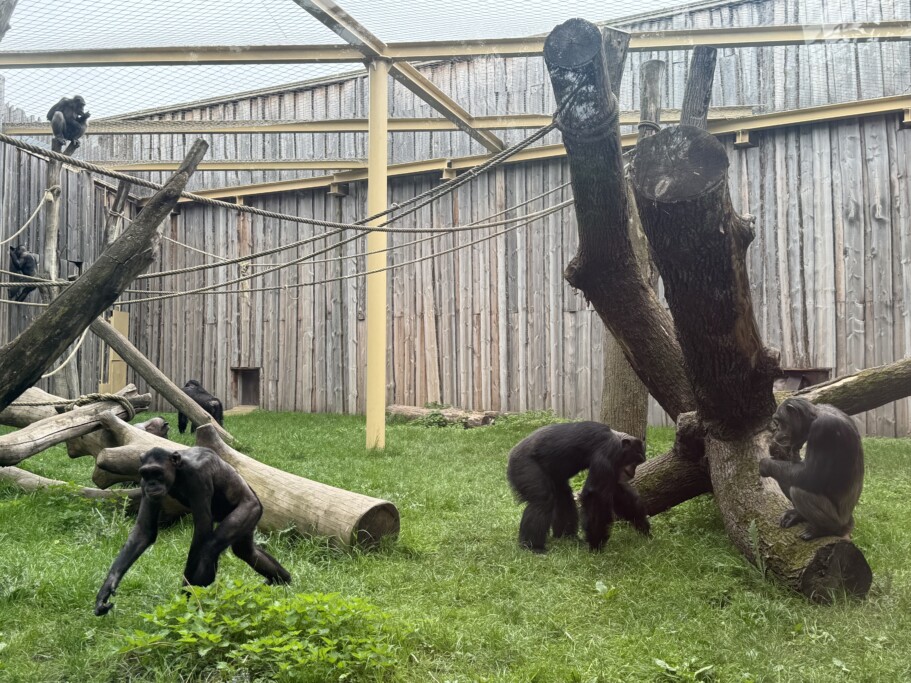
[748,36]
[741,127]
[342,23]
[400,125]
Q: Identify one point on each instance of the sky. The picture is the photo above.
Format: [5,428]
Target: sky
[88,24]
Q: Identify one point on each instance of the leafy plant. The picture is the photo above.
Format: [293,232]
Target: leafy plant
[257,632]
[689,670]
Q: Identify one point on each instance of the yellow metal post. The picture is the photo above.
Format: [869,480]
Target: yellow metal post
[376,283]
[117,368]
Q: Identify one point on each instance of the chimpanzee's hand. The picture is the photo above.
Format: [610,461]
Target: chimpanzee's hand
[644,527]
[102,606]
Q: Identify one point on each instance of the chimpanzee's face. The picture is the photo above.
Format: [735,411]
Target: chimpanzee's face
[79,103]
[632,455]
[157,472]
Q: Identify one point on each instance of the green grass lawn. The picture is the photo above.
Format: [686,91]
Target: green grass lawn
[480,608]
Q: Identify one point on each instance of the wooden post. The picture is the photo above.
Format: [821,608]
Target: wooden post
[376,241]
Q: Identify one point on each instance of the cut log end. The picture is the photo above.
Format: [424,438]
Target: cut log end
[837,568]
[678,164]
[572,43]
[379,521]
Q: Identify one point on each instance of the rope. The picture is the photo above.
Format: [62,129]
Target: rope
[68,358]
[84,400]
[210,289]
[187,246]
[49,195]
[445,188]
[649,124]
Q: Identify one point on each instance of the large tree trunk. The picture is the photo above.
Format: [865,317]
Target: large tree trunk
[288,500]
[699,245]
[606,261]
[624,398]
[24,359]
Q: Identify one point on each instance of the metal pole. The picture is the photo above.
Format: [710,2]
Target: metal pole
[376,284]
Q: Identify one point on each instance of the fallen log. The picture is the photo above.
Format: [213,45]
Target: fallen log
[310,507]
[38,436]
[29,481]
[466,418]
[18,414]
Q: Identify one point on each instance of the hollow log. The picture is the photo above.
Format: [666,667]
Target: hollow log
[605,268]
[310,507]
[38,436]
[23,360]
[465,418]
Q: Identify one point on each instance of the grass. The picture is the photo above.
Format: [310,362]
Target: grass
[482,609]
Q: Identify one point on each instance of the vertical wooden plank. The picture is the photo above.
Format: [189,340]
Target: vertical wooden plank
[878,267]
[819,178]
[900,186]
[852,209]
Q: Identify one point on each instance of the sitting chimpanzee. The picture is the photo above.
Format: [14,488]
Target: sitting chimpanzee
[24,262]
[209,403]
[541,465]
[68,120]
[823,488]
[157,426]
[214,492]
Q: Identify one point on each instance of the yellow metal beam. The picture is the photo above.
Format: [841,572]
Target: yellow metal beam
[176,56]
[228,165]
[794,117]
[342,23]
[754,36]
[377,189]
[401,125]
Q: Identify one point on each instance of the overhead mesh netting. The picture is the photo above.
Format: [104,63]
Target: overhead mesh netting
[38,25]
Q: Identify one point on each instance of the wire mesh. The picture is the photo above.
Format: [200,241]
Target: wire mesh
[112,91]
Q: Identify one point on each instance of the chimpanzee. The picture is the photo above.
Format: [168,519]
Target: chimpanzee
[209,403]
[541,465]
[24,262]
[157,426]
[826,485]
[214,492]
[68,120]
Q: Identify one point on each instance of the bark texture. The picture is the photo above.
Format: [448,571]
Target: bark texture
[751,507]
[699,244]
[605,268]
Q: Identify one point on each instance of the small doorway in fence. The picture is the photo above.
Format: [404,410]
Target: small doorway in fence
[245,386]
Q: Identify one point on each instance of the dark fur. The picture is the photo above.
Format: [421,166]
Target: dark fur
[823,488]
[209,403]
[24,262]
[541,465]
[68,120]
[214,492]
[157,426]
